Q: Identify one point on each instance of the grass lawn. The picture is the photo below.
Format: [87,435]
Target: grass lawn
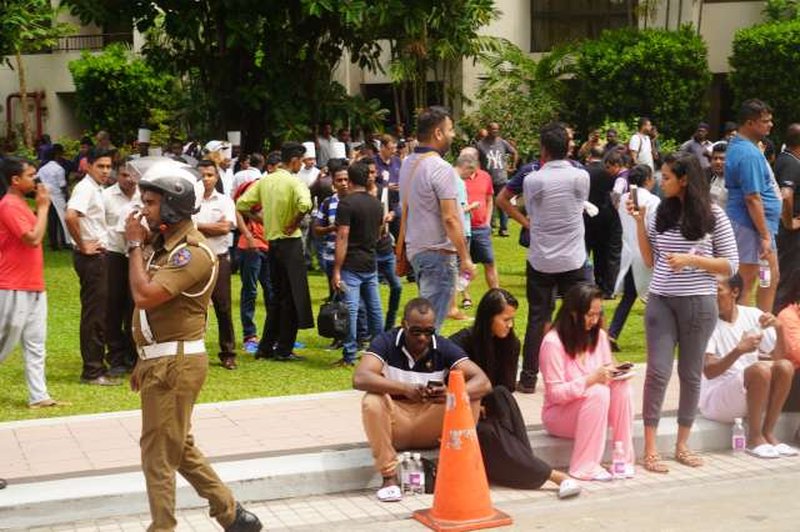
[253,378]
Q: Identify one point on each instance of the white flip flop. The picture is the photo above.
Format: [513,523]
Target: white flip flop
[389,494]
[786,450]
[765,450]
[568,488]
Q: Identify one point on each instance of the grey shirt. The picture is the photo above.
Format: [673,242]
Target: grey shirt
[493,158]
[554,198]
[433,180]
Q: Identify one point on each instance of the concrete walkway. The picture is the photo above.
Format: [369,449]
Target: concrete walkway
[53,448]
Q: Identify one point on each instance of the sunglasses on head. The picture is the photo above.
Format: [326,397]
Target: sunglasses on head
[422,331]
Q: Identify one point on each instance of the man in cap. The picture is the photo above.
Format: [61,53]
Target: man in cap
[285,201]
[171,284]
[309,172]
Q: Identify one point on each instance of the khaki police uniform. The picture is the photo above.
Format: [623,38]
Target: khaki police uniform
[171,369]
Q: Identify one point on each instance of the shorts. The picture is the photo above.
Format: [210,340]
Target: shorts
[480,247]
[725,401]
[749,243]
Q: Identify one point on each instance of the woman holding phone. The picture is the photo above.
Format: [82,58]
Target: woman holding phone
[688,243]
[507,454]
[585,391]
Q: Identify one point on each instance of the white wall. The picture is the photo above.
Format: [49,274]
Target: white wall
[720,22]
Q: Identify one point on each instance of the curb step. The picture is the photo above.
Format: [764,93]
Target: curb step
[68,500]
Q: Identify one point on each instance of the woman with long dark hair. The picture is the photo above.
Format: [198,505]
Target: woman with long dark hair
[688,244]
[507,454]
[582,399]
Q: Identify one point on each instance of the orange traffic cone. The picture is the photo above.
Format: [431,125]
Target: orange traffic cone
[461,500]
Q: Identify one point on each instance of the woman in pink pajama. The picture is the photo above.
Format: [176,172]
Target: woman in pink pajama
[581,398]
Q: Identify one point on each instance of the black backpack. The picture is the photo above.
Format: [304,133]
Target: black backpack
[333,319]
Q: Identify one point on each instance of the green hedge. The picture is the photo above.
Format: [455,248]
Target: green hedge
[766,65]
[629,72]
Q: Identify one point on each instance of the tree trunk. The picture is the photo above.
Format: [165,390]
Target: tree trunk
[27,137]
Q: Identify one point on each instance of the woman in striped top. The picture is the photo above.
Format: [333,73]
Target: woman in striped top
[687,244]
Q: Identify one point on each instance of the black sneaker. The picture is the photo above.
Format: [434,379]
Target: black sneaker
[526,385]
[245,521]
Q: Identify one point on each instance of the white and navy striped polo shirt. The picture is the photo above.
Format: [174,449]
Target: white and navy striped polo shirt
[690,281]
[399,365]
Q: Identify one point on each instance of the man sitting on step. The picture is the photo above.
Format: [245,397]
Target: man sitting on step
[746,373]
[404,373]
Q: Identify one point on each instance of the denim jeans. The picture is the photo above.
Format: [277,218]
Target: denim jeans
[436,280]
[386,267]
[254,269]
[361,286]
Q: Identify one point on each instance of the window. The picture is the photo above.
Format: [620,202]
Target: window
[555,22]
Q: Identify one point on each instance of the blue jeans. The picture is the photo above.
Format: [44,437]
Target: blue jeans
[361,286]
[386,267]
[436,280]
[625,304]
[254,269]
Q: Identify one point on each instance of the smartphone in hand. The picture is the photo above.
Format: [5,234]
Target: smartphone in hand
[635,197]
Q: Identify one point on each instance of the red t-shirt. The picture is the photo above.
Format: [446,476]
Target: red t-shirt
[478,187]
[255,226]
[21,266]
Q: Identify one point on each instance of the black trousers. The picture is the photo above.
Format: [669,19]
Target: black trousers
[604,244]
[541,291]
[93,275]
[290,307]
[118,334]
[221,299]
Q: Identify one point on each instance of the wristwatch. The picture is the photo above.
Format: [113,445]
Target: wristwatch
[133,244]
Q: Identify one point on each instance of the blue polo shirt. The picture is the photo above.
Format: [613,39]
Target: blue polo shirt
[748,172]
[399,365]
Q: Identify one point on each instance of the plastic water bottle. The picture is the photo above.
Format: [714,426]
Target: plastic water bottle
[738,441]
[417,479]
[462,281]
[405,475]
[618,460]
[764,274]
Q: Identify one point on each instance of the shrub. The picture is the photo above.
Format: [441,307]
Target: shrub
[766,65]
[627,72]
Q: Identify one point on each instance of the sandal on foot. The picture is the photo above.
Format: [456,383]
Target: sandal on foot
[389,494]
[654,464]
[688,458]
[466,304]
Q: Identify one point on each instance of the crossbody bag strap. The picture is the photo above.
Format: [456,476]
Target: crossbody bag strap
[401,234]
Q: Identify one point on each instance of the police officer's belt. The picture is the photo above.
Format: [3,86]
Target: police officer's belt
[169,349]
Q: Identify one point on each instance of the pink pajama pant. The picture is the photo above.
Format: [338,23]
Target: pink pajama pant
[586,420]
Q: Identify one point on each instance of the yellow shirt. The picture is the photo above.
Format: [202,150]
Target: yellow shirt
[283,197]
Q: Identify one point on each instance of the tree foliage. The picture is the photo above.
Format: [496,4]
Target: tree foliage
[780,10]
[119,92]
[628,72]
[766,65]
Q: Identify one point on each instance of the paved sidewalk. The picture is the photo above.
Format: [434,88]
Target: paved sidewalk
[88,445]
[741,474]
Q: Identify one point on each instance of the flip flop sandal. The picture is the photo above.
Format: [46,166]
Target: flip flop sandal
[654,464]
[466,304]
[688,458]
[389,494]
[765,450]
[785,449]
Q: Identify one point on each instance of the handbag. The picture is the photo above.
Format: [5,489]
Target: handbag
[333,320]
[402,264]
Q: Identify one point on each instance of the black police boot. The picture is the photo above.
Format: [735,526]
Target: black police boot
[245,521]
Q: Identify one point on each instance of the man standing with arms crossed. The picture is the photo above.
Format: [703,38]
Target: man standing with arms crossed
[754,202]
[434,232]
[171,285]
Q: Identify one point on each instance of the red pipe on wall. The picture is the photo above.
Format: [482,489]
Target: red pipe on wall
[38,97]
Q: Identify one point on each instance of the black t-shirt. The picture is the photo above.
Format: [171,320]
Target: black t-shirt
[600,186]
[787,173]
[364,215]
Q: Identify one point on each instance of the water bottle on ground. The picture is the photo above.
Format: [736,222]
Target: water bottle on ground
[405,478]
[418,478]
[764,274]
[618,460]
[738,441]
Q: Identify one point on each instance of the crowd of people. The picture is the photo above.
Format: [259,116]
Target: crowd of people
[706,237]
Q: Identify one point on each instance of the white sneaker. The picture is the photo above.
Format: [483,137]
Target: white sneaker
[568,488]
[602,475]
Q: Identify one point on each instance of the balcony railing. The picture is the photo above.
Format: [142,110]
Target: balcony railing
[77,43]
